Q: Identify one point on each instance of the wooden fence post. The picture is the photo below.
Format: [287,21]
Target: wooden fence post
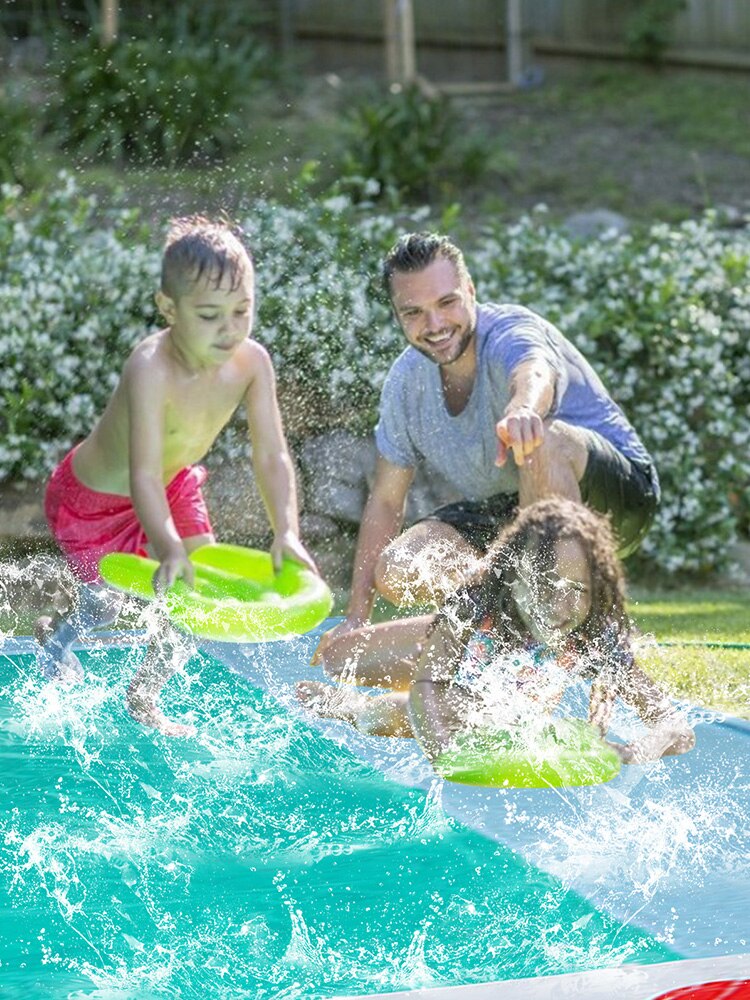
[109,21]
[516,42]
[400,54]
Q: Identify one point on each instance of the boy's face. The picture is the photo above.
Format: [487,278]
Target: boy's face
[208,322]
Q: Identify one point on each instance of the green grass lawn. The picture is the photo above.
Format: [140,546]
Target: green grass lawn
[704,670]
[686,638]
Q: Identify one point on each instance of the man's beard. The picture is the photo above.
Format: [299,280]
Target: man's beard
[463,345]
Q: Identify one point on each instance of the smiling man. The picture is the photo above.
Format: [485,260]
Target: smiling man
[493,400]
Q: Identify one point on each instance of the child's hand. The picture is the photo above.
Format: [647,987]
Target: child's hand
[289,545]
[174,566]
[349,624]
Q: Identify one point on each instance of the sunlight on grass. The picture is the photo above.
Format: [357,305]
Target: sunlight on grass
[700,671]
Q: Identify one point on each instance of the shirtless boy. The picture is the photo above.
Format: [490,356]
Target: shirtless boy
[133,486]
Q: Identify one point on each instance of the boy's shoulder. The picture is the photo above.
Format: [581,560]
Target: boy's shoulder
[253,359]
[146,356]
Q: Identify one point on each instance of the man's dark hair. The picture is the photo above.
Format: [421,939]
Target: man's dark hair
[197,246]
[415,251]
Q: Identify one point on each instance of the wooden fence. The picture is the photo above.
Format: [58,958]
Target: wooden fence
[711,32]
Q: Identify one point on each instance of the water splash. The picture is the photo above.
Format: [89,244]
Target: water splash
[263,859]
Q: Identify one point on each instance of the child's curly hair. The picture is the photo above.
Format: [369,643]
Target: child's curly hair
[535,532]
[196,246]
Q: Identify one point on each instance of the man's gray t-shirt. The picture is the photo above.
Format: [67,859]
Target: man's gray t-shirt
[415,428]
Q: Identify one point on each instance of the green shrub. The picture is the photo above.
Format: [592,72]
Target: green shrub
[649,29]
[408,145]
[20,162]
[153,101]
[662,315]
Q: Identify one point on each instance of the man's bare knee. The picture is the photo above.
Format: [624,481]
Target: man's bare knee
[556,467]
[391,575]
[428,562]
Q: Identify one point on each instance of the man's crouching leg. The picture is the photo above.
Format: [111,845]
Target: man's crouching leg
[425,564]
[556,467]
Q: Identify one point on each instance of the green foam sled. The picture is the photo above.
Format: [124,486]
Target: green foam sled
[236,597]
[566,752]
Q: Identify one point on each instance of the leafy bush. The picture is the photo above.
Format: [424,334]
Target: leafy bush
[410,145]
[662,315]
[649,29]
[19,127]
[149,100]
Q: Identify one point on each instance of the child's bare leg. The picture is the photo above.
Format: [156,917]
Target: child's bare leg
[376,715]
[163,658]
[96,608]
[383,655]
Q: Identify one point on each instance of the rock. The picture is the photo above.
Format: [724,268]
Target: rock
[594,224]
[22,512]
[318,528]
[238,514]
[739,559]
[337,468]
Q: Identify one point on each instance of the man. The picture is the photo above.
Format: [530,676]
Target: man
[493,399]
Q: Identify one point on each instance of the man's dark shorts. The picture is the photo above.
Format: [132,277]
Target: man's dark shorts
[626,491]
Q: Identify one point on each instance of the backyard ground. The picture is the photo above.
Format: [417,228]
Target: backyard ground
[648,144]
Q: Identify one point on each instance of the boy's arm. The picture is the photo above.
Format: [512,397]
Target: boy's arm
[668,734]
[272,463]
[145,390]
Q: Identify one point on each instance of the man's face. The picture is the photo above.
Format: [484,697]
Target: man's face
[436,309]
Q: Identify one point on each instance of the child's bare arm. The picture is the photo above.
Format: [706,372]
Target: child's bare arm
[437,708]
[669,732]
[145,386]
[271,460]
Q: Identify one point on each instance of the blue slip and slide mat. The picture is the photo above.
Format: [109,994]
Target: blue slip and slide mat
[288,859]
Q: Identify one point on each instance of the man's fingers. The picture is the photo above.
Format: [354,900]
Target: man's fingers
[522,434]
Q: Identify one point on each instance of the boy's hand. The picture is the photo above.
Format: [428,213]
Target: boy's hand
[174,566]
[289,545]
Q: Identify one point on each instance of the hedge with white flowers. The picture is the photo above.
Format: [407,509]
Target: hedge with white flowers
[664,316]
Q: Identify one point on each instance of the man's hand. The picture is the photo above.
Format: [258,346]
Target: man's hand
[289,545]
[174,566]
[347,625]
[520,431]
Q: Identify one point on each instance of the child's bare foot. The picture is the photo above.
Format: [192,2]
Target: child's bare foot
[145,709]
[331,702]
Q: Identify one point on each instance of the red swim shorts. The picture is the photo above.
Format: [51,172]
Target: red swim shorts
[87,524]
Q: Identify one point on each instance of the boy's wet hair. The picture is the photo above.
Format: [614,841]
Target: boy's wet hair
[416,251]
[196,247]
[535,532]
